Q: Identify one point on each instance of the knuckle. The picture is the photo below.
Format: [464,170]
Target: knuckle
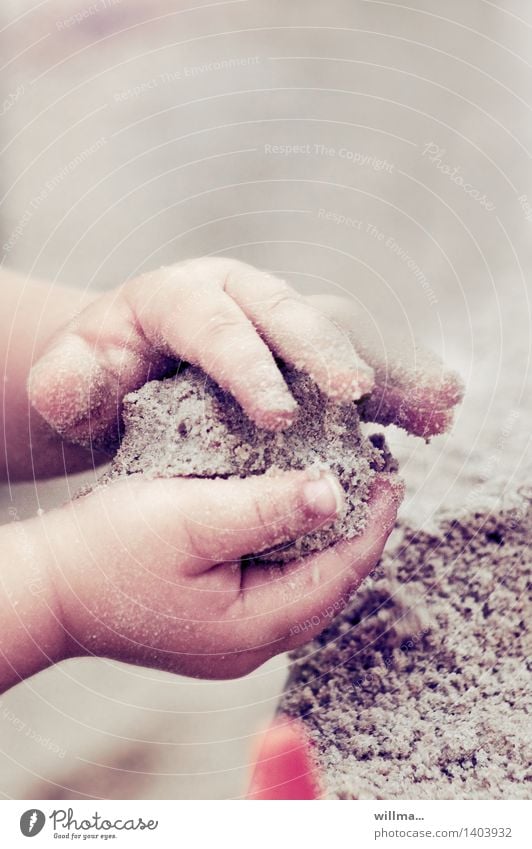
[157,291]
[283,296]
[222,326]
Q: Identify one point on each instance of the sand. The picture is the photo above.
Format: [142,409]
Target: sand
[420,689]
[187,426]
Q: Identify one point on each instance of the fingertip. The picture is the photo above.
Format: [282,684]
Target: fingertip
[453,389]
[391,485]
[343,385]
[388,489]
[51,388]
[266,398]
[434,412]
[274,417]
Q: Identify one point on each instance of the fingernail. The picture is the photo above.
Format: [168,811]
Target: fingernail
[323,497]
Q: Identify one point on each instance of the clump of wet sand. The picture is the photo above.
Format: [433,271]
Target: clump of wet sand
[420,689]
[188,426]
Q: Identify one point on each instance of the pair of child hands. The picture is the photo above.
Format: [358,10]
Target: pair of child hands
[149,571]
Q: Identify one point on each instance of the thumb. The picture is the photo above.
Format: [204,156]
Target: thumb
[227,519]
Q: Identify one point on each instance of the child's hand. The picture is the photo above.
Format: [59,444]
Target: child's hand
[220,314]
[412,387]
[149,572]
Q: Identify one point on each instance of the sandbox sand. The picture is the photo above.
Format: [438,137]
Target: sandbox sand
[420,689]
[188,426]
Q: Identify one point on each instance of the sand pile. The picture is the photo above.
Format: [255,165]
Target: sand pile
[188,426]
[419,690]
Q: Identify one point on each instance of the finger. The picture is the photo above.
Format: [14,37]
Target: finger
[224,520]
[286,607]
[285,767]
[195,320]
[300,333]
[413,389]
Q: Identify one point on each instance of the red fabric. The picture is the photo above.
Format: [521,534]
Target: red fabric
[285,767]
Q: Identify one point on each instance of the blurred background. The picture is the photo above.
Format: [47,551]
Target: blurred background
[377,150]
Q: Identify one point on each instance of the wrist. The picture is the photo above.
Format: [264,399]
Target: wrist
[32,635]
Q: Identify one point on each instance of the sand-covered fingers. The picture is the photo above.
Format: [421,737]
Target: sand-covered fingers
[300,332]
[420,400]
[223,520]
[191,317]
[135,333]
[413,388]
[77,386]
[287,606]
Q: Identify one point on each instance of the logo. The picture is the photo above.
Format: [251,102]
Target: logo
[32,822]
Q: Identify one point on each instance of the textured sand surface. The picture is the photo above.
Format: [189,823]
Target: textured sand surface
[421,688]
[187,426]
